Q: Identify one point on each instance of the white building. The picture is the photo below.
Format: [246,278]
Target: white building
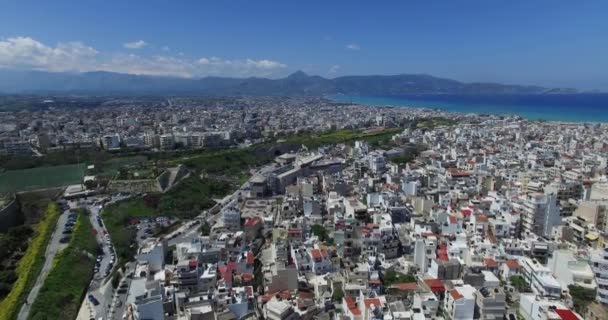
[540,214]
[111,141]
[533,307]
[321,262]
[599,264]
[570,269]
[460,303]
[540,278]
[153,251]
[167,142]
[377,163]
[232,218]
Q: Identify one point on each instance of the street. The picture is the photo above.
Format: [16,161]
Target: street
[54,247]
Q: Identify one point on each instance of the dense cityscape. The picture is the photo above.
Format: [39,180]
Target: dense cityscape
[303,160]
[445,216]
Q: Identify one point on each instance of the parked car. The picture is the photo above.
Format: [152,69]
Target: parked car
[64,240]
[93,300]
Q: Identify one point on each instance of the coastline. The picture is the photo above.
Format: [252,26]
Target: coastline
[560,111]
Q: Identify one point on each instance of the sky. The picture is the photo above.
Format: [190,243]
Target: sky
[551,43]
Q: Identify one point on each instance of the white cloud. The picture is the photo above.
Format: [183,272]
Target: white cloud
[135,44]
[353,46]
[333,69]
[165,49]
[239,67]
[27,53]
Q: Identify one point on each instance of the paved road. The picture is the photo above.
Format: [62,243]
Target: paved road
[52,249]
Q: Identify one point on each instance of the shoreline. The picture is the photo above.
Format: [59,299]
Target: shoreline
[534,114]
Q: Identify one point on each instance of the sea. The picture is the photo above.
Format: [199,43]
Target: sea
[582,107]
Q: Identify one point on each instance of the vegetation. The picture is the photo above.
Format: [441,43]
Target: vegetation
[205,228]
[519,283]
[338,294]
[30,264]
[113,166]
[117,217]
[191,196]
[343,136]
[186,200]
[581,297]
[66,283]
[434,122]
[392,277]
[12,246]
[39,178]
[319,231]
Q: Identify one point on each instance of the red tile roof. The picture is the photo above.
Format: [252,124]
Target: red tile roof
[456,295]
[250,257]
[490,263]
[316,253]
[481,218]
[406,286]
[466,211]
[436,285]
[372,301]
[252,222]
[453,219]
[352,306]
[442,253]
[566,314]
[512,264]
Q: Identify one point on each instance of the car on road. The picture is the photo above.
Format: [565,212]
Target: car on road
[67,231]
[93,300]
[65,239]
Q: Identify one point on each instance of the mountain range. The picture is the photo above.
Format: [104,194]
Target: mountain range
[298,83]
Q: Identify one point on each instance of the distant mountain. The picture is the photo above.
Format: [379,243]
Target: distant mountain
[298,83]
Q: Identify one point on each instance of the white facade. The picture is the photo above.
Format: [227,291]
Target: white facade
[599,264]
[111,141]
[232,218]
[571,270]
[540,214]
[460,303]
[540,278]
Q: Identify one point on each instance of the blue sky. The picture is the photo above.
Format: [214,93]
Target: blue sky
[553,43]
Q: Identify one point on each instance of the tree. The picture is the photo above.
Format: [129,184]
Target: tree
[90,184]
[205,228]
[115,280]
[319,231]
[338,294]
[581,297]
[519,283]
[391,277]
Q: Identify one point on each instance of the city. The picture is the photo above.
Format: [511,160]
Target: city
[303,160]
[448,216]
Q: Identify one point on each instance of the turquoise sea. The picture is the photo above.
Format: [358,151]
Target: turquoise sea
[552,107]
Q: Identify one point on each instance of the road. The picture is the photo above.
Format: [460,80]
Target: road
[99,287]
[111,304]
[52,249]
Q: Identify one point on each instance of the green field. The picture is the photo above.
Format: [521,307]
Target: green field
[40,178]
[111,167]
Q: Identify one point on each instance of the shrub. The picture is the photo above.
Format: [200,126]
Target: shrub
[30,264]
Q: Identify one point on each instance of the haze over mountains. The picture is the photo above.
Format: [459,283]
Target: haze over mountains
[298,83]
